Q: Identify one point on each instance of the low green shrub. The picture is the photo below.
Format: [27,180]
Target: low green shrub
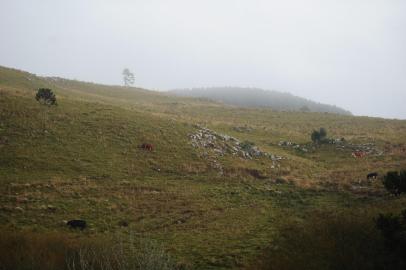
[395,182]
[319,136]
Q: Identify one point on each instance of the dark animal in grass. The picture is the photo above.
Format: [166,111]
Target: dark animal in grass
[373,175]
[123,223]
[77,224]
[147,146]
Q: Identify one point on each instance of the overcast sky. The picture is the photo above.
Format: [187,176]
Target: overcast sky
[351,53]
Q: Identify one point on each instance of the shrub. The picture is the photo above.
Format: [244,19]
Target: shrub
[395,182]
[388,224]
[315,136]
[247,145]
[46,96]
[327,240]
[323,133]
[319,136]
[393,229]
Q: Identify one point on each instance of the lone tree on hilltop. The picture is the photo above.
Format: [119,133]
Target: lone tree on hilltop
[45,96]
[395,182]
[319,136]
[128,77]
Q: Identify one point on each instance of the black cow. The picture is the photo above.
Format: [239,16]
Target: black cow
[77,224]
[372,175]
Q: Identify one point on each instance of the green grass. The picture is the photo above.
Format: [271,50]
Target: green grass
[81,159]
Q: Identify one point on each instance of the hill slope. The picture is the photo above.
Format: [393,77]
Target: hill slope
[255,97]
[210,207]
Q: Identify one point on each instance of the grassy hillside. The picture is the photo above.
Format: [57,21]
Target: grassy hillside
[257,98]
[82,159]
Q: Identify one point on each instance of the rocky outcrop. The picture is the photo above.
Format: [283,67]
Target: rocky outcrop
[221,145]
[340,144]
[293,145]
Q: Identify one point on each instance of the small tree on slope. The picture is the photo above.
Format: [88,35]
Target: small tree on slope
[318,136]
[46,96]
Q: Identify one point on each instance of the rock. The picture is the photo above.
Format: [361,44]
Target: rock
[222,144]
[19,209]
[243,129]
[125,182]
[51,208]
[21,199]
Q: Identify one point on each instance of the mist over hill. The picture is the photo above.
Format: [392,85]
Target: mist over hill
[256,97]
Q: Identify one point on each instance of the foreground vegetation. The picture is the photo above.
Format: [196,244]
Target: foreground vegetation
[349,240]
[82,160]
[53,251]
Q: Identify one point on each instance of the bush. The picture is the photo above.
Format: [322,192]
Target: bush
[319,136]
[45,96]
[247,145]
[393,229]
[323,133]
[329,240]
[388,224]
[395,182]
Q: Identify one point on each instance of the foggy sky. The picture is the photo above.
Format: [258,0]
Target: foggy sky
[350,53]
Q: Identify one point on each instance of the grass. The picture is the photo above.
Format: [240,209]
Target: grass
[81,159]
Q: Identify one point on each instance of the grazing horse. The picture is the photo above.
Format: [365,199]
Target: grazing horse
[147,146]
[77,224]
[358,154]
[373,175]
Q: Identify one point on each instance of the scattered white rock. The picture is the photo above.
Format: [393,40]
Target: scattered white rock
[293,145]
[222,144]
[341,144]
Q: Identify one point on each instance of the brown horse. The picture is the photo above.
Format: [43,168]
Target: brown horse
[358,154]
[147,146]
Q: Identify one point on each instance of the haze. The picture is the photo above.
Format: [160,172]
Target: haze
[347,53]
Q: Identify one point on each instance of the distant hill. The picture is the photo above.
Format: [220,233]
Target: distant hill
[255,97]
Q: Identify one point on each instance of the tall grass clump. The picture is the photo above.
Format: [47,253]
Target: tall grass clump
[53,251]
